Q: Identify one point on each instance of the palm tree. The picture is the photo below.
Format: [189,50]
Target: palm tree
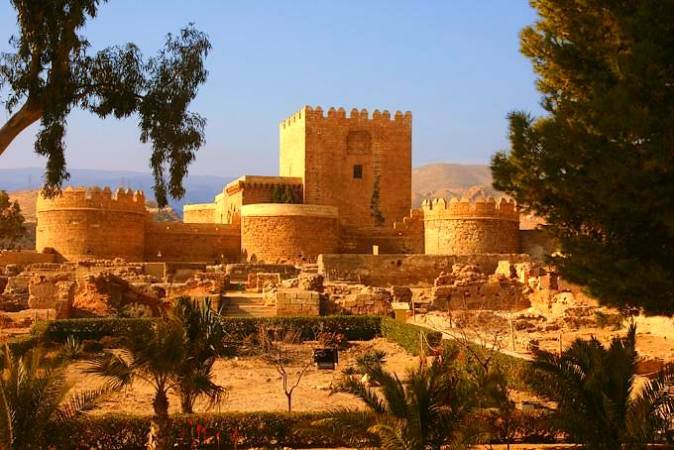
[33,396]
[176,354]
[155,357]
[432,407]
[204,343]
[597,402]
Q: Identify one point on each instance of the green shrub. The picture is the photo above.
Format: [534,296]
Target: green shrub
[204,431]
[355,328]
[408,335]
[58,331]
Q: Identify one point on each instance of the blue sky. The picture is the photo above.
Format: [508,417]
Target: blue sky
[454,63]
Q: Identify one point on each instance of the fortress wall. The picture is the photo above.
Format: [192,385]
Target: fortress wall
[393,270]
[199,213]
[466,228]
[331,146]
[92,223]
[405,236]
[195,242]
[288,232]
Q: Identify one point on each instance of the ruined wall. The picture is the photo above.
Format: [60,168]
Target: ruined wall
[359,164]
[199,213]
[396,270]
[288,232]
[196,242]
[465,228]
[92,223]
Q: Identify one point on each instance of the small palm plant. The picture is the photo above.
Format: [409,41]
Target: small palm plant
[153,356]
[204,343]
[432,407]
[34,395]
[175,355]
[598,404]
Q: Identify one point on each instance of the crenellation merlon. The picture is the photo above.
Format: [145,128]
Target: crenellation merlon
[439,208]
[339,114]
[94,198]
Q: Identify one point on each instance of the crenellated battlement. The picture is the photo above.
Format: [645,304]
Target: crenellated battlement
[355,115]
[94,198]
[483,208]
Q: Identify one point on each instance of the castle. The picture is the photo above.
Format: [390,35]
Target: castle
[344,186]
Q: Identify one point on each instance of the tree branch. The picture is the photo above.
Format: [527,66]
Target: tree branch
[22,119]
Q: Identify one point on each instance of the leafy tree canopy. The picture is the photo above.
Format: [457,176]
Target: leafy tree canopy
[599,166]
[11,221]
[51,72]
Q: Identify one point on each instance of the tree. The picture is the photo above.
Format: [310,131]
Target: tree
[598,166]
[204,343]
[155,357]
[33,395]
[432,407]
[280,355]
[50,72]
[594,389]
[11,221]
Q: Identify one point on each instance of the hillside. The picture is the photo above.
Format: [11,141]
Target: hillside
[450,180]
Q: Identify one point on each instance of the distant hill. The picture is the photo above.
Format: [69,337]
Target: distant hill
[450,180]
[432,180]
[199,188]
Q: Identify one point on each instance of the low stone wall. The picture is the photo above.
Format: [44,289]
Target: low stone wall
[385,270]
[23,258]
[297,302]
[240,272]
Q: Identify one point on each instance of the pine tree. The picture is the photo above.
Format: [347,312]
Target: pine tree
[599,166]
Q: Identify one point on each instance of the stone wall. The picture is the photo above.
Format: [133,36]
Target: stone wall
[385,270]
[23,258]
[199,213]
[197,242]
[351,162]
[466,228]
[297,302]
[92,223]
[288,232]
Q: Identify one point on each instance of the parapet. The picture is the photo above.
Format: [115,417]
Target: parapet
[251,181]
[339,115]
[94,198]
[483,208]
[288,209]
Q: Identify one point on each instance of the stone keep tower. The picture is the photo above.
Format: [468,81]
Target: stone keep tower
[360,164]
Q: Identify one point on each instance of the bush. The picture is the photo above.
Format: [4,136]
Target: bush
[407,335]
[354,328]
[204,431]
[58,331]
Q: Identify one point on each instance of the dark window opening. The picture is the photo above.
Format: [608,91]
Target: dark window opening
[358,171]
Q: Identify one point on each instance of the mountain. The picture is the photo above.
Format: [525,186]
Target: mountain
[428,181]
[200,188]
[450,180]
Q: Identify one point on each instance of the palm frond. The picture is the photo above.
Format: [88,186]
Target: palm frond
[114,366]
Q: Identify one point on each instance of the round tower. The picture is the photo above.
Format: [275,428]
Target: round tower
[466,228]
[273,232]
[92,223]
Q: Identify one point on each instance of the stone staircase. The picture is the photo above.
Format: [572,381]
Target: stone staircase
[246,304]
